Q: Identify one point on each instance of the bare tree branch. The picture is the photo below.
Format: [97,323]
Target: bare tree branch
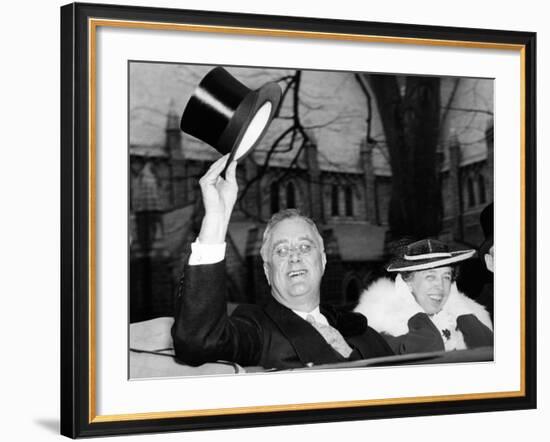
[368,97]
[449,101]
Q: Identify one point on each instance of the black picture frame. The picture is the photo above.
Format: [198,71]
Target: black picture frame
[78,249]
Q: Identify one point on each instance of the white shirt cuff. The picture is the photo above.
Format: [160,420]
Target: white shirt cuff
[206,253]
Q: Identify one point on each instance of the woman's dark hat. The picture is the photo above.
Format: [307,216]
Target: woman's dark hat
[427,254]
[222,109]
[486,219]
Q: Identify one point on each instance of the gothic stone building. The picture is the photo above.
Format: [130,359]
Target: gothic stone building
[350,207]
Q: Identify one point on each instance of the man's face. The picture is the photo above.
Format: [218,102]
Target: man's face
[431,288]
[490,259]
[295,264]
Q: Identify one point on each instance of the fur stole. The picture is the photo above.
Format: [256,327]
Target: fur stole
[389,305]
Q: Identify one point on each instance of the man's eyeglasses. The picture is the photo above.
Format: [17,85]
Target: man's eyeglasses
[284,250]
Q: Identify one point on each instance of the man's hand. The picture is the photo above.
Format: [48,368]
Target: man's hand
[219,196]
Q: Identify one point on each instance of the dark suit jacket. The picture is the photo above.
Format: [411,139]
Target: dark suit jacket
[424,336]
[271,336]
[486,298]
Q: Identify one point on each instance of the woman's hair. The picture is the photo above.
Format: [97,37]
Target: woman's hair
[407,276]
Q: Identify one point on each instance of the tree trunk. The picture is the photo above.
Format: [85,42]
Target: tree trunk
[411,125]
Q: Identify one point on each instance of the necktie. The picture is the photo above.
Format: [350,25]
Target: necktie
[332,336]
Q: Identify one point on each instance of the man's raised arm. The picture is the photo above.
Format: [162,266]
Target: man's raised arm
[219,196]
[202,331]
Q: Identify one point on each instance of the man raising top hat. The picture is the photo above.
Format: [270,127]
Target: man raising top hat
[292,329]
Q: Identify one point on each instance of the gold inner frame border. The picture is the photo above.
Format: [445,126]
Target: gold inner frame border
[93,24]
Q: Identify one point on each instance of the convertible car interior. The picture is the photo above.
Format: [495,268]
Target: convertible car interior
[151,355]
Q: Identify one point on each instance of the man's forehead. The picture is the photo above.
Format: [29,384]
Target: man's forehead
[286,240]
[292,229]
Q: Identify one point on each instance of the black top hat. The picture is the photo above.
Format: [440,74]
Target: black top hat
[486,219]
[427,254]
[227,115]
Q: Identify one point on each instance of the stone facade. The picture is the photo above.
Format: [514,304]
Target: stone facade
[165,181]
[338,179]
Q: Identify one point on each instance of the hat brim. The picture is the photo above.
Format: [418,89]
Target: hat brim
[234,132]
[404,265]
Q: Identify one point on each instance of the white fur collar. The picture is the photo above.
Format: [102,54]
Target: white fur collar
[389,305]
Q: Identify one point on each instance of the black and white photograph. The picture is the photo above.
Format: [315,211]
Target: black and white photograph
[280,221]
[292,219]
[275,221]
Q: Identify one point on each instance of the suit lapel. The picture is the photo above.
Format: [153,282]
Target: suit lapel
[352,327]
[309,345]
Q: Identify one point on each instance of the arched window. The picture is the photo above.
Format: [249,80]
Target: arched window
[349,201]
[481,187]
[290,196]
[334,200]
[471,193]
[274,197]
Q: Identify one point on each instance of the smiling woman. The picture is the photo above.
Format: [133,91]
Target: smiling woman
[422,310]
[430,288]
